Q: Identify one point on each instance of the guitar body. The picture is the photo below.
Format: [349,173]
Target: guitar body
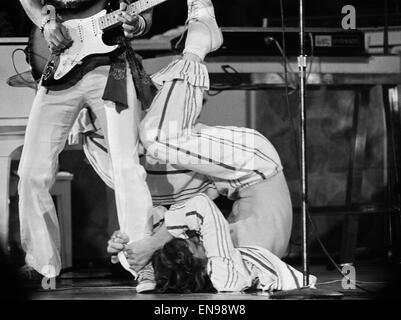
[87,42]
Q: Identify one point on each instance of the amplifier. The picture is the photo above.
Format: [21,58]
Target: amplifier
[259,42]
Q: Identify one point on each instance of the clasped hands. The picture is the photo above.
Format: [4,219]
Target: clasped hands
[138,253]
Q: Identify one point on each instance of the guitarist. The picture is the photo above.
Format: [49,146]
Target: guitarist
[113,87]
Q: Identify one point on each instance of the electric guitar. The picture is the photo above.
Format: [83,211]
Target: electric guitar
[88,41]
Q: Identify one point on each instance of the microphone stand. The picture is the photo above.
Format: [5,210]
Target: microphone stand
[306,291]
[302,118]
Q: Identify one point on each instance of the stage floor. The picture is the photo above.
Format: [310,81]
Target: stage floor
[102,285]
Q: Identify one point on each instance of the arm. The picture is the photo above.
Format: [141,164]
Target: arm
[135,26]
[139,253]
[33,9]
[148,16]
[55,33]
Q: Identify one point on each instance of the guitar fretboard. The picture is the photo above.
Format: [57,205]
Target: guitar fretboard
[110,20]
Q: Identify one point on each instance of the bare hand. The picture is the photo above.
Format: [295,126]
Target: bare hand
[130,23]
[117,243]
[56,36]
[139,253]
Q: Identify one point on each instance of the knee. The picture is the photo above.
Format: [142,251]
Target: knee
[34,178]
[259,142]
[152,131]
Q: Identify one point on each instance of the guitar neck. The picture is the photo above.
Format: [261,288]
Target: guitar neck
[110,20]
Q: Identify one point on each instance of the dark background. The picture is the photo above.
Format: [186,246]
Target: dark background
[239,13]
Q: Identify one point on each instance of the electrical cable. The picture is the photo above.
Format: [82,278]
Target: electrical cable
[18,73]
[236,83]
[284,54]
[285,60]
[316,233]
[340,280]
[312,49]
[286,84]
[286,66]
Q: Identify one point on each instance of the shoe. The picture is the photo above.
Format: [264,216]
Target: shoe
[203,34]
[146,280]
[200,9]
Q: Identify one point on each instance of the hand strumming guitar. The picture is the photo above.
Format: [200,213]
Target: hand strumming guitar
[56,36]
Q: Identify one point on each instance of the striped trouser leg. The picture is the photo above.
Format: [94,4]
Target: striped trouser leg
[170,133]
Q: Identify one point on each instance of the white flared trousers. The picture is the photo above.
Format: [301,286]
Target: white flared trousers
[52,116]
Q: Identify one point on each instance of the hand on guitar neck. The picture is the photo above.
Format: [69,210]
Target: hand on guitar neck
[132,24]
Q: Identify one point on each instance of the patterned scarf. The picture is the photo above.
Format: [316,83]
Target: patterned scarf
[116,86]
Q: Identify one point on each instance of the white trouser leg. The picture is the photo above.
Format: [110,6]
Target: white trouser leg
[262,216]
[133,199]
[50,120]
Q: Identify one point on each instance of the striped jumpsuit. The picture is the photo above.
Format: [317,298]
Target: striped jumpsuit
[229,268]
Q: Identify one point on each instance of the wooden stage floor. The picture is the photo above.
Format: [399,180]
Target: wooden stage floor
[102,285]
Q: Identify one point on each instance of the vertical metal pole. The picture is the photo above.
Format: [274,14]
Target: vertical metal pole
[304,189]
[385,31]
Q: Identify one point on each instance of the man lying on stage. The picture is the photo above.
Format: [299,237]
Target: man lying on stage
[207,260]
[201,256]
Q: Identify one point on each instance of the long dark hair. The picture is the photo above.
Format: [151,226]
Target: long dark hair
[178,271]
